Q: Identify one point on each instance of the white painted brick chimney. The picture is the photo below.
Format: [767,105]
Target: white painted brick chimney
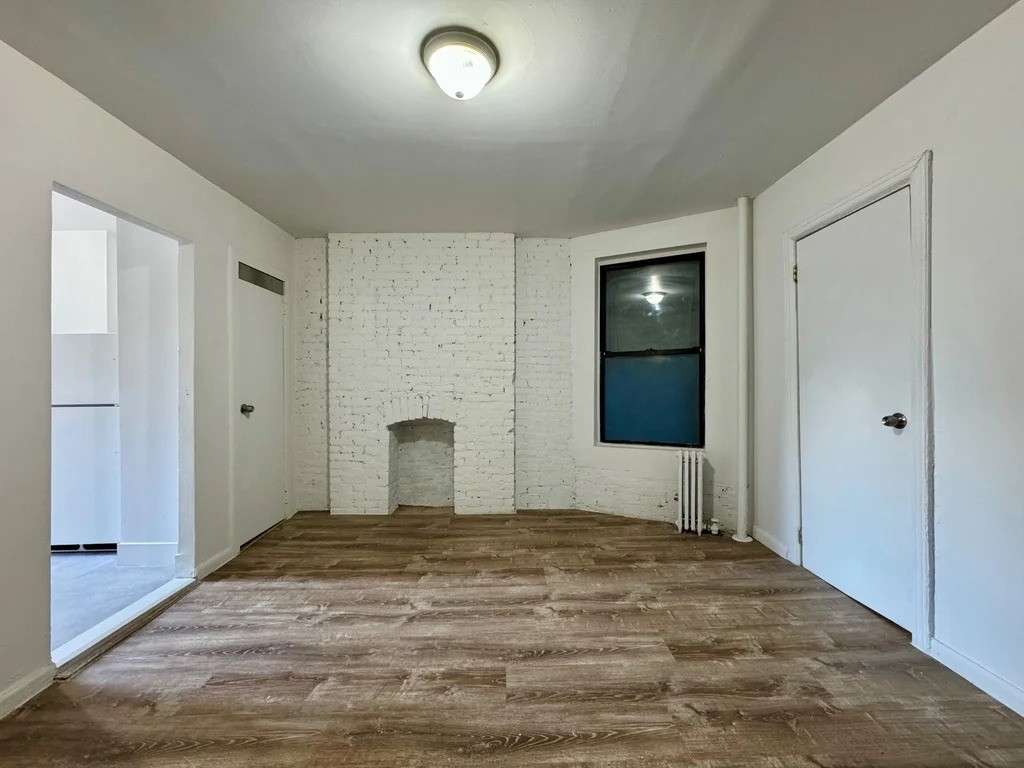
[421,326]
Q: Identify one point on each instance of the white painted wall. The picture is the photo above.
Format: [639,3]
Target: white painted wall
[969,110]
[421,326]
[641,481]
[52,133]
[78,285]
[544,468]
[70,215]
[308,310]
[147,298]
[84,368]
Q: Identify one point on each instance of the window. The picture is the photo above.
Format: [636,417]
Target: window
[652,351]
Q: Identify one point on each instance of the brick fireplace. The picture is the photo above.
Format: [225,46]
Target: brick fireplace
[421,330]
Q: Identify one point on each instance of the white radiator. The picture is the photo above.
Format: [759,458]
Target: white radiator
[690,511]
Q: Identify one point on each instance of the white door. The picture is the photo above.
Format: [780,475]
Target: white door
[856,310]
[259,462]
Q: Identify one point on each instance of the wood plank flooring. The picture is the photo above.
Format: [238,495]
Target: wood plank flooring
[541,639]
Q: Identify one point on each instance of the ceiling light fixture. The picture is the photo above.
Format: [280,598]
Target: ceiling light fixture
[460,60]
[654,297]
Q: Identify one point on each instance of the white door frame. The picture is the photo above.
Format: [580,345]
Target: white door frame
[915,175]
[185,559]
[234,258]
[185,562]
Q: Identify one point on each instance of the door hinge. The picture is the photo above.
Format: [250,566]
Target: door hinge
[794,273]
[800,536]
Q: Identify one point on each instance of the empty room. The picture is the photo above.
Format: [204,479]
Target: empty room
[504,382]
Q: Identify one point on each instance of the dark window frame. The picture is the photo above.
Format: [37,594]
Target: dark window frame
[605,269]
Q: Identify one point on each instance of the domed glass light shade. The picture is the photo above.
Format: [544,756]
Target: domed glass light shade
[462,62]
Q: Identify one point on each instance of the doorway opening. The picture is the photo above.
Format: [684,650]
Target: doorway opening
[858,362]
[120,322]
[421,465]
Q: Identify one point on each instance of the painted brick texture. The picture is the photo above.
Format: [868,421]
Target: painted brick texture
[433,326]
[309,370]
[544,469]
[421,326]
[632,494]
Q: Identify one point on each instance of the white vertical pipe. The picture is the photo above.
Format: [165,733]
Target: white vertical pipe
[686,478]
[700,492]
[680,497]
[745,330]
[689,490]
[693,490]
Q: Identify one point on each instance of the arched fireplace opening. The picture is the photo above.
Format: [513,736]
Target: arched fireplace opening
[421,465]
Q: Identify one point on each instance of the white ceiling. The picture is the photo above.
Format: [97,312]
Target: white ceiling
[603,113]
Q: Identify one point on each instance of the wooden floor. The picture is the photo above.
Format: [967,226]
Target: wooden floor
[556,638]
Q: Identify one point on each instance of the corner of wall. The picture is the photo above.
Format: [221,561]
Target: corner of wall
[25,687]
[545,472]
[640,481]
[309,422]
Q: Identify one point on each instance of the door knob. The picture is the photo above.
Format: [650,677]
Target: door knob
[247,409]
[896,421]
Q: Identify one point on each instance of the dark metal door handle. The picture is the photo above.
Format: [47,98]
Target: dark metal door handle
[247,409]
[896,421]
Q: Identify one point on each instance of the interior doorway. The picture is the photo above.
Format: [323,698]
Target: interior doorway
[118,542]
[862,389]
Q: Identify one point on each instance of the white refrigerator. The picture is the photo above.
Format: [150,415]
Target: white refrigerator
[85,478]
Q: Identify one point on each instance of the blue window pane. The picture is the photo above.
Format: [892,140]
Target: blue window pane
[652,399]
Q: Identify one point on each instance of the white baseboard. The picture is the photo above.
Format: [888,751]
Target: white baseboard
[147,553]
[998,688]
[96,636]
[774,544]
[25,687]
[211,564]
[485,512]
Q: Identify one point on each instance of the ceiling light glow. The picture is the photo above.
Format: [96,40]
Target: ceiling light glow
[654,297]
[462,62]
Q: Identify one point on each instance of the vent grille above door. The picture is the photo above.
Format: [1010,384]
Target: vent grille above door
[260,279]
